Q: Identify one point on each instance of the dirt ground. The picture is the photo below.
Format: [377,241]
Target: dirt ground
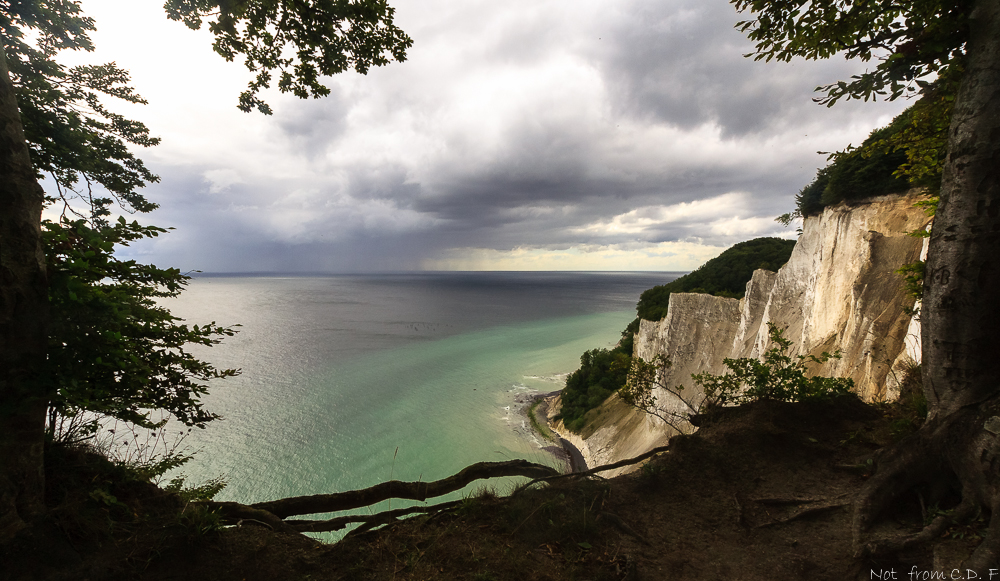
[761,492]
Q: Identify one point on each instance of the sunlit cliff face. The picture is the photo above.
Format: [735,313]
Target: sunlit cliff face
[838,291]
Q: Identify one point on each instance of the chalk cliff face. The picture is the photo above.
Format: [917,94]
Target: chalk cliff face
[839,290]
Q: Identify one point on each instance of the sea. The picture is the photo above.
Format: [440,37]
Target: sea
[351,380]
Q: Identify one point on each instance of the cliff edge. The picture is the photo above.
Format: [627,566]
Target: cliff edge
[839,290]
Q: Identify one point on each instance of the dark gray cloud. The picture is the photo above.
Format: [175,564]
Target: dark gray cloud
[313,125]
[681,62]
[524,126]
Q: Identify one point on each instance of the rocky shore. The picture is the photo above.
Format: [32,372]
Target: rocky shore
[535,408]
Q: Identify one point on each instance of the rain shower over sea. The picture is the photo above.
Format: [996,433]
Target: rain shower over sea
[350,379]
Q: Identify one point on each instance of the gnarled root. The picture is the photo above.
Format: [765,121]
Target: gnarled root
[946,449]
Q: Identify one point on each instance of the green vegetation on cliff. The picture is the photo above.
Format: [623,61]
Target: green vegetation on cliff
[907,152]
[860,173]
[726,275]
[604,371]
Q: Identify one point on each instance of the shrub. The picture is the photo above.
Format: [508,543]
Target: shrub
[778,376]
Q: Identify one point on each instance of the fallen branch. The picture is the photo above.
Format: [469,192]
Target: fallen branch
[320,503]
[787,500]
[368,521]
[622,526]
[858,468]
[274,512]
[594,471]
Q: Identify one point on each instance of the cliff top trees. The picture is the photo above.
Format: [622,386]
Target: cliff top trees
[603,372]
[913,41]
[74,138]
[725,275]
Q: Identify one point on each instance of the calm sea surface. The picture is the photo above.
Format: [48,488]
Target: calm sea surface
[350,379]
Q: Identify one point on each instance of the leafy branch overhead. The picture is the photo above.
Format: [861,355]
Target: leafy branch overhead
[87,335]
[919,48]
[71,134]
[301,41]
[909,40]
[113,349]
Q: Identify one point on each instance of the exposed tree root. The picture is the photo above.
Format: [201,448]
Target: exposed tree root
[946,450]
[815,506]
[987,555]
[932,531]
[804,512]
[368,521]
[795,500]
[595,471]
[234,512]
[275,513]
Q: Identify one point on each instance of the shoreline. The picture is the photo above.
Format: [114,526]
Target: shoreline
[536,412]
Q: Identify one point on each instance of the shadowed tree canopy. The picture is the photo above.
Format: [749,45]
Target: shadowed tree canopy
[301,41]
[909,40]
[73,137]
[54,121]
[909,152]
[910,44]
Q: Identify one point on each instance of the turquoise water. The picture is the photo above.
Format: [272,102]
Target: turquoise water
[350,380]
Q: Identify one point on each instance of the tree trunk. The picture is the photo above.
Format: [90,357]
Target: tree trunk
[960,312]
[23,319]
[960,317]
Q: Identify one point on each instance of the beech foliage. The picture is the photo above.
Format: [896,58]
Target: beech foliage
[113,349]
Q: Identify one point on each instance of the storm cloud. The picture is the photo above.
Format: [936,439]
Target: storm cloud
[523,134]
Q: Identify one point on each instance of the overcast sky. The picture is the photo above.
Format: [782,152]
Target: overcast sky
[519,135]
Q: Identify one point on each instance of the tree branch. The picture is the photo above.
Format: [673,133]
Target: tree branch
[369,521]
[320,503]
[594,471]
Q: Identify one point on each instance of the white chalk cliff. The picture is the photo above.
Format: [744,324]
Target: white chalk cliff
[839,290]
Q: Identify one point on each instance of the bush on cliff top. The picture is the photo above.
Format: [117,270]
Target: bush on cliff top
[874,169]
